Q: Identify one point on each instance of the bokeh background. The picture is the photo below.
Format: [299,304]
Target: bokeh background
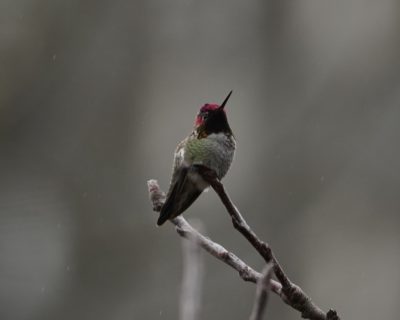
[94,97]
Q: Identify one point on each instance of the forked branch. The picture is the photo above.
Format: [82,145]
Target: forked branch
[290,293]
[294,295]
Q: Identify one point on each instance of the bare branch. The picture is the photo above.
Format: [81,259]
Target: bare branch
[192,279]
[262,293]
[185,230]
[247,273]
[292,295]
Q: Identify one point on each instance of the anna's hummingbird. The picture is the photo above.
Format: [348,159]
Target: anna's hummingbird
[211,144]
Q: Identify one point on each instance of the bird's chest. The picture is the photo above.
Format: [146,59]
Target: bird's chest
[215,152]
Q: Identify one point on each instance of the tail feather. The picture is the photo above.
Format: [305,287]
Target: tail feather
[167,210]
[163,217]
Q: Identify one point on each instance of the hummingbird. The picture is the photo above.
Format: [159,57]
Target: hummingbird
[211,144]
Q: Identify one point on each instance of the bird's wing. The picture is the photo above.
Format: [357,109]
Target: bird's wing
[169,208]
[182,190]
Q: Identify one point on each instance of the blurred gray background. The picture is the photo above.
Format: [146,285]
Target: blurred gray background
[94,97]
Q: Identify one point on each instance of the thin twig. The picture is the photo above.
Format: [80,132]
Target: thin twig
[192,279]
[262,293]
[293,295]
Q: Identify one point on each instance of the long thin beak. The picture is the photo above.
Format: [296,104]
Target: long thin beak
[225,101]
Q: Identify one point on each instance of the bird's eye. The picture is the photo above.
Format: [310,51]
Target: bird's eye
[204,115]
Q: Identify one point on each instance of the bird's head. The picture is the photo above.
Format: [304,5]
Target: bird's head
[212,118]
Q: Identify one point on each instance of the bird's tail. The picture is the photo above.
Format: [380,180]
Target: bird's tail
[165,214]
[183,193]
[169,206]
